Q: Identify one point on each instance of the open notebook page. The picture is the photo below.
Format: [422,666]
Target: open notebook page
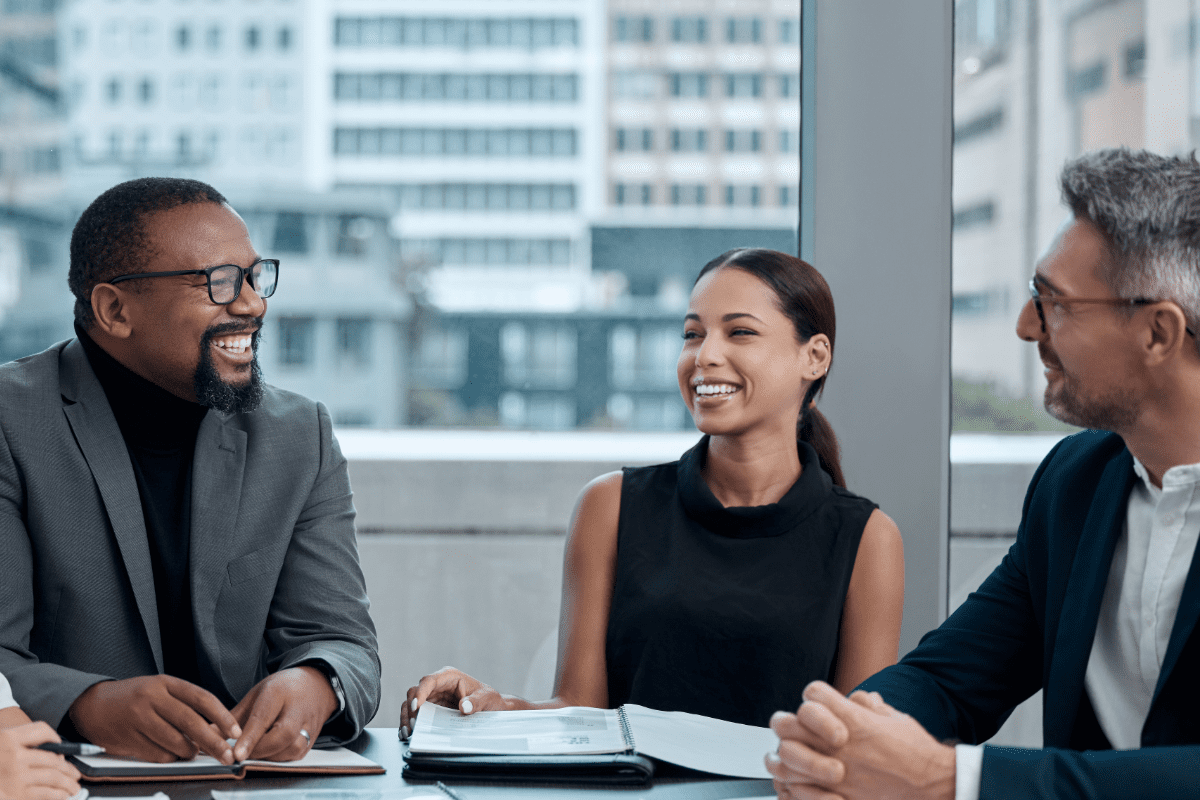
[332,758]
[702,743]
[561,731]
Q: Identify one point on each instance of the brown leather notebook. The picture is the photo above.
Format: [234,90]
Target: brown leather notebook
[331,761]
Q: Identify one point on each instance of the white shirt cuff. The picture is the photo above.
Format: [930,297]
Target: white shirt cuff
[968,770]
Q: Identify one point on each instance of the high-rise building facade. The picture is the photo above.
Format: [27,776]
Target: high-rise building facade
[480,122]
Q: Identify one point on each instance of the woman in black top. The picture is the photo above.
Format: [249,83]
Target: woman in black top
[723,583]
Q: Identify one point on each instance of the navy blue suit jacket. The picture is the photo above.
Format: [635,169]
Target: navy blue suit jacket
[1030,626]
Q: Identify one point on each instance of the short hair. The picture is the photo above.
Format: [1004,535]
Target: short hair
[1148,207]
[110,238]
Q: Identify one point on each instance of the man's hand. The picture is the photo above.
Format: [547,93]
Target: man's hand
[29,774]
[280,706]
[857,747]
[155,718]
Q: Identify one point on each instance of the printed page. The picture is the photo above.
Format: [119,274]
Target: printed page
[703,743]
[559,731]
[326,758]
[114,765]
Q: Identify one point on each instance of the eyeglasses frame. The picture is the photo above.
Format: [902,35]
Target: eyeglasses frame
[207,272]
[1037,298]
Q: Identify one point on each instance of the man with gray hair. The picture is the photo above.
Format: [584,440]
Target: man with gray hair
[1096,603]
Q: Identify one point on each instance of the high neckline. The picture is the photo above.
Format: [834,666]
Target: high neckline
[147,414]
[751,522]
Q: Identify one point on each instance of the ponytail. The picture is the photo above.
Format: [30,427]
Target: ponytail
[813,428]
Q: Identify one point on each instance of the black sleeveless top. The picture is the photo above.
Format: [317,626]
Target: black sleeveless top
[728,612]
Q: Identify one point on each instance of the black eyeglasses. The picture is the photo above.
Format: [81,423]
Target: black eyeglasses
[225,281]
[1039,298]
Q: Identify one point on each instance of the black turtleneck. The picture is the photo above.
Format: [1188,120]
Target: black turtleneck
[160,433]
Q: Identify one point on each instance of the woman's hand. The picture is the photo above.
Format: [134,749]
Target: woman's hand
[451,688]
[27,773]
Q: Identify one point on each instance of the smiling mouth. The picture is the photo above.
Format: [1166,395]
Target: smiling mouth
[715,390]
[236,345]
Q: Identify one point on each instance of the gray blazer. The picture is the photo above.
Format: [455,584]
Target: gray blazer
[275,578]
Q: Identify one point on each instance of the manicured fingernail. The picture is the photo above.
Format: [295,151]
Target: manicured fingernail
[772,759]
[413,704]
[467,708]
[403,731]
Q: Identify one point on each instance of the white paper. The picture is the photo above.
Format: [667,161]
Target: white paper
[325,758]
[560,731]
[410,793]
[701,743]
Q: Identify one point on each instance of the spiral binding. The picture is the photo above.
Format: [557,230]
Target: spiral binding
[626,731]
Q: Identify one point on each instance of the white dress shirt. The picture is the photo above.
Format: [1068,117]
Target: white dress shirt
[1149,567]
[6,698]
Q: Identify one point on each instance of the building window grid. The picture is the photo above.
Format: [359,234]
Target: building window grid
[457,87]
[462,33]
[456,142]
[296,335]
[743,30]
[689,140]
[488,197]
[743,141]
[689,30]
[540,356]
[353,337]
[636,30]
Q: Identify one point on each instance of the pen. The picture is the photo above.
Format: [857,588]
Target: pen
[453,795]
[72,748]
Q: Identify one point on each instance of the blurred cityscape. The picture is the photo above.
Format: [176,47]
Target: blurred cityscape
[487,213]
[490,214]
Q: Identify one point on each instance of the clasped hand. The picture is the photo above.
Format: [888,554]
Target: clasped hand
[161,718]
[838,748]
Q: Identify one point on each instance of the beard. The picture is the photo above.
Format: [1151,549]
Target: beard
[1115,410]
[214,392]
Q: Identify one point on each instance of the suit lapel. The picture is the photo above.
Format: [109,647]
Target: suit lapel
[95,429]
[1083,595]
[1185,622]
[217,470]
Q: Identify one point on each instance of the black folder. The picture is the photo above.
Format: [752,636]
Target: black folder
[604,769]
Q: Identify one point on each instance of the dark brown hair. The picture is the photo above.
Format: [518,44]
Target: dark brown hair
[805,299]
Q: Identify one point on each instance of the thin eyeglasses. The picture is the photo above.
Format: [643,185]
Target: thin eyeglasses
[1039,298]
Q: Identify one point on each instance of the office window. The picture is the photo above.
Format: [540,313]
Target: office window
[538,356]
[633,29]
[789,85]
[291,233]
[296,335]
[663,412]
[353,235]
[146,91]
[456,87]
[212,39]
[440,360]
[689,29]
[641,84]
[689,84]
[537,411]
[1135,61]
[252,38]
[743,141]
[743,195]
[789,141]
[978,126]
[743,84]
[743,30]
[183,37]
[113,91]
[633,139]
[788,196]
[353,336]
[789,31]
[689,140]
[44,160]
[974,216]
[688,194]
[284,38]
[643,357]
[503,251]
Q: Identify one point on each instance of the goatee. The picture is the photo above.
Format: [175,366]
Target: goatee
[215,393]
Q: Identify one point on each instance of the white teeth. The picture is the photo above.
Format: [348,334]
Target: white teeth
[715,388]
[235,345]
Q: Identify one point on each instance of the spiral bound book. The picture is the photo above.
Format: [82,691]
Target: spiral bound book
[525,745]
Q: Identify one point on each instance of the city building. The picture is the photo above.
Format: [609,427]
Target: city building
[31,107]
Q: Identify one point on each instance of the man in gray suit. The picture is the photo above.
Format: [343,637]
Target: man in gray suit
[176,538]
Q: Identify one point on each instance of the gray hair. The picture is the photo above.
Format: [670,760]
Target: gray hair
[1148,207]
